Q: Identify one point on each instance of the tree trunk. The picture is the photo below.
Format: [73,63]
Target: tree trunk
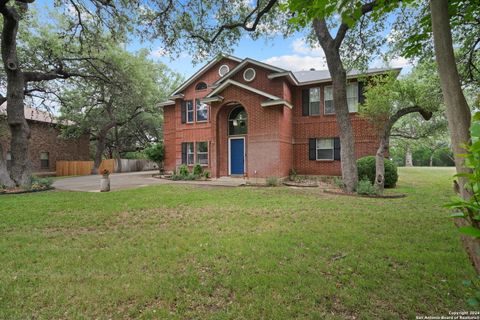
[431,159]
[457,110]
[101,143]
[408,157]
[380,164]
[21,170]
[344,125]
[5,179]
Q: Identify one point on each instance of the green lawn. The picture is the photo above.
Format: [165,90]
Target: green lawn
[232,253]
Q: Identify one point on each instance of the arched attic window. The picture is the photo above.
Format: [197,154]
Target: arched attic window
[201,86]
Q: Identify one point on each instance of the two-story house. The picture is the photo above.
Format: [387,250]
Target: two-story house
[247,118]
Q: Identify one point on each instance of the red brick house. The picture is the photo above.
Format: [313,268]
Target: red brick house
[46,146]
[247,118]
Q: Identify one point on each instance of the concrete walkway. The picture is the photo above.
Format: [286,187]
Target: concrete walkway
[119,181]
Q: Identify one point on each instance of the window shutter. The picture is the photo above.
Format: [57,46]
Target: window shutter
[361,91]
[312,149]
[184,153]
[305,101]
[336,148]
[184,111]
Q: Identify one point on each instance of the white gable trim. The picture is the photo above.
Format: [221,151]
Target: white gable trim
[276,103]
[166,103]
[202,71]
[212,99]
[245,62]
[241,85]
[288,74]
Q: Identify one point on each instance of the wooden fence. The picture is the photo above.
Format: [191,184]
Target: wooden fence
[82,168]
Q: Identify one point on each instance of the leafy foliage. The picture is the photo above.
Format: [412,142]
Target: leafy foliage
[272,181]
[156,153]
[469,209]
[366,170]
[365,187]
[198,170]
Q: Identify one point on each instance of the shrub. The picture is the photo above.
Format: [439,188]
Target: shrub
[272,181]
[198,170]
[41,183]
[338,182]
[156,153]
[293,175]
[366,170]
[366,187]
[183,170]
[206,174]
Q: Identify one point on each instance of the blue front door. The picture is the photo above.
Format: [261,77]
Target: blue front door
[237,156]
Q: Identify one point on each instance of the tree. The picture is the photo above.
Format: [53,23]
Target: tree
[156,153]
[23,73]
[388,99]
[126,87]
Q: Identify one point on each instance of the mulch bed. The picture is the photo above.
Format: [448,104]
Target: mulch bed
[300,184]
[22,191]
[385,196]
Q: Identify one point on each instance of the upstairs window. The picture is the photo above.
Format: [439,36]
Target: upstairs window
[201,86]
[237,121]
[44,160]
[202,111]
[352,97]
[329,108]
[314,105]
[190,111]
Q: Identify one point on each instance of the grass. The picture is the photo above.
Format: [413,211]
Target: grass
[232,253]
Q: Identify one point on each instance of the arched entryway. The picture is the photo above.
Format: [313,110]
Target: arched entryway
[237,130]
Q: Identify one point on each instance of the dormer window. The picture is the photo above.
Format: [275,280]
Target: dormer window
[200,86]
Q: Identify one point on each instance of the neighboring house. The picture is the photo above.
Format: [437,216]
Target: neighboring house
[247,118]
[46,146]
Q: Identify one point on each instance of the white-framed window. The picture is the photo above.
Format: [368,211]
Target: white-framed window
[352,97]
[223,70]
[190,153]
[314,101]
[325,149]
[328,100]
[202,110]
[202,153]
[44,160]
[249,74]
[190,111]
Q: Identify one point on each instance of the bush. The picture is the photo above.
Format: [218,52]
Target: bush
[272,181]
[366,187]
[338,182]
[156,153]
[198,170]
[206,174]
[41,183]
[366,170]
[183,170]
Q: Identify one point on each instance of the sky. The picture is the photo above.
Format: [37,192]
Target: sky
[292,53]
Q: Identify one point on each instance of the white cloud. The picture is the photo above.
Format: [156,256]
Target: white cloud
[304,57]
[158,53]
[296,62]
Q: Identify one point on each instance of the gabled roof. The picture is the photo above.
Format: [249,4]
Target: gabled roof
[241,85]
[245,62]
[202,71]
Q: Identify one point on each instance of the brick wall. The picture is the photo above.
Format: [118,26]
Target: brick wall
[325,126]
[45,138]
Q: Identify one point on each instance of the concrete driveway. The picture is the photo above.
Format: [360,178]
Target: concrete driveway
[118,181]
[130,180]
